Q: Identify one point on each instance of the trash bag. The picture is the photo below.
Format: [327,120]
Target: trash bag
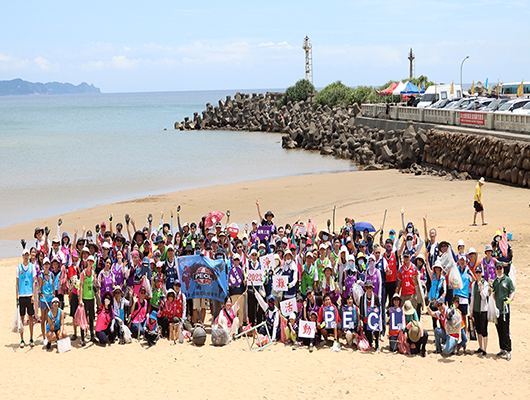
[147,284]
[453,323]
[127,335]
[18,325]
[357,293]
[220,336]
[455,279]
[362,342]
[80,317]
[447,261]
[512,274]
[403,345]
[493,311]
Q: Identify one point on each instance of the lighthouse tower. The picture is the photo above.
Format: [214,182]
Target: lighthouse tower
[308,59]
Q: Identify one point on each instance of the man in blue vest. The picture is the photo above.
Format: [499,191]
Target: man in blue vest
[26,280]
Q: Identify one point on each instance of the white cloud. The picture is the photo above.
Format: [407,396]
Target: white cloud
[45,65]
[122,62]
[93,65]
[12,63]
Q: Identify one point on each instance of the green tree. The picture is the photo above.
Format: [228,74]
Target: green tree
[334,94]
[298,92]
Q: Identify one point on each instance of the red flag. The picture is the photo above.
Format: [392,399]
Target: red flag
[503,245]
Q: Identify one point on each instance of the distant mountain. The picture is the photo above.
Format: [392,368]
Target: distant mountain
[18,86]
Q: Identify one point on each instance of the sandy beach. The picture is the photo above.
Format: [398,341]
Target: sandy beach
[278,372]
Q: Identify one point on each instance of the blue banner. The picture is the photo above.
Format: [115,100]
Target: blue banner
[203,278]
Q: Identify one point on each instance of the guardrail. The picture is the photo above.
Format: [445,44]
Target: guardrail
[472,119]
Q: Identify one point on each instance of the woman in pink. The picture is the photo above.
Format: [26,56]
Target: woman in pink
[105,330]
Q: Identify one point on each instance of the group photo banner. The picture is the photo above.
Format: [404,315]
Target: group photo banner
[203,278]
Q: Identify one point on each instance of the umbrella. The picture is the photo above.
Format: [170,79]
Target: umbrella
[212,218]
[361,226]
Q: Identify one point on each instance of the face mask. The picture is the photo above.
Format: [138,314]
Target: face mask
[392,237]
[388,249]
[245,243]
[89,238]
[361,263]
[409,230]
[271,305]
[107,302]
[497,239]
[262,252]
[409,243]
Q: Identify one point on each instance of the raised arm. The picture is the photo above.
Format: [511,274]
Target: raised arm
[425,227]
[110,226]
[403,219]
[259,211]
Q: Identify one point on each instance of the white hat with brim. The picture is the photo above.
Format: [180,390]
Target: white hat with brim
[407,308]
[90,258]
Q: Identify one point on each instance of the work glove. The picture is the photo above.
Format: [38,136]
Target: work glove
[60,222]
[23,243]
[507,300]
[127,219]
[110,218]
[150,218]
[323,325]
[178,209]
[46,231]
[228,213]
[97,228]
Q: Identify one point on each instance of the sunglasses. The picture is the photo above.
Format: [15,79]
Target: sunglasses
[239,247]
[142,292]
[498,268]
[406,256]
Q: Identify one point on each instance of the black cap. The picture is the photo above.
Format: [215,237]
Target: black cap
[159,240]
[406,253]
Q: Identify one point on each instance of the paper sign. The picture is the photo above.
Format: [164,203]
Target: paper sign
[329,317]
[233,229]
[288,306]
[299,230]
[348,317]
[255,277]
[280,282]
[373,318]
[267,261]
[264,232]
[396,318]
[235,276]
[306,329]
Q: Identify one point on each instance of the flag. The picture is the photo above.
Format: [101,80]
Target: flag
[503,245]
[423,85]
[520,89]
[498,87]
[487,84]
[452,88]
[472,91]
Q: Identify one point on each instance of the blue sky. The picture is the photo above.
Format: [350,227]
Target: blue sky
[173,45]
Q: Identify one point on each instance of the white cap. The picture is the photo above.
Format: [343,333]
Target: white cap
[287,252]
[255,222]
[25,251]
[55,300]
[46,260]
[214,239]
[471,251]
[236,257]
[371,258]
[185,224]
[253,251]
[285,240]
[90,258]
[460,243]
[170,247]
[321,246]
[292,316]
[159,264]
[106,245]
[85,249]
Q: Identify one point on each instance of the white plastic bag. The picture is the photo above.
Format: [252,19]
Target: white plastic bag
[220,336]
[447,261]
[147,285]
[453,323]
[18,325]
[512,274]
[127,336]
[493,311]
[357,293]
[455,279]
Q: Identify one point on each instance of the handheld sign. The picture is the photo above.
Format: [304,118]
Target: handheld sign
[396,318]
[233,229]
[288,306]
[299,229]
[348,317]
[329,317]
[280,282]
[373,318]
[306,329]
[255,277]
[267,261]
[264,232]
[235,276]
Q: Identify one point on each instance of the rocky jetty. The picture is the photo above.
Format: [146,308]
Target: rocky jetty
[335,131]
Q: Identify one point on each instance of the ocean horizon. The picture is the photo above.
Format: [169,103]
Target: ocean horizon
[68,152]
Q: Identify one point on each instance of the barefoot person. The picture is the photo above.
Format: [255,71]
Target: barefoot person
[25,282]
[479,207]
[55,329]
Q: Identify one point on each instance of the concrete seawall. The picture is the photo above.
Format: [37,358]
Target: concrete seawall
[375,143]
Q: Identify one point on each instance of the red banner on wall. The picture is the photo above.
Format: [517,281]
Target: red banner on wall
[472,118]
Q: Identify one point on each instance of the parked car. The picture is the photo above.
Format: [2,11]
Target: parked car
[435,93]
[523,110]
[512,105]
[495,104]
[478,104]
[442,103]
[458,105]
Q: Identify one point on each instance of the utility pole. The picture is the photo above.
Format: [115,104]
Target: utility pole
[411,59]
[308,59]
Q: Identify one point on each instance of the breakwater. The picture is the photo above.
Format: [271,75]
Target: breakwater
[339,132]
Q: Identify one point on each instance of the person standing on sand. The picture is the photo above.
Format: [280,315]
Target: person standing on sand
[479,207]
[504,292]
[25,283]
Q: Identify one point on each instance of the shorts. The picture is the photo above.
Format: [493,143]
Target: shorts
[26,306]
[478,206]
[199,303]
[44,306]
[331,331]
[74,302]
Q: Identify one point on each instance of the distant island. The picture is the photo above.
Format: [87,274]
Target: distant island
[19,86]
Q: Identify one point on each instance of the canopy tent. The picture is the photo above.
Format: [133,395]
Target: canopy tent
[397,90]
[388,91]
[409,88]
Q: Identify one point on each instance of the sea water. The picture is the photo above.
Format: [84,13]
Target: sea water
[67,152]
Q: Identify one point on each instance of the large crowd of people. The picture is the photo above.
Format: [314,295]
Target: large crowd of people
[121,283]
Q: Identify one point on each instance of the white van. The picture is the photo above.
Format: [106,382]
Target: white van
[439,92]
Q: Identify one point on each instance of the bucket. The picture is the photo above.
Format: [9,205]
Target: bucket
[510,236]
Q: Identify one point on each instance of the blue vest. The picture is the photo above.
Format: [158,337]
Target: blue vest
[291,291]
[25,280]
[47,287]
[57,324]
[380,266]
[436,287]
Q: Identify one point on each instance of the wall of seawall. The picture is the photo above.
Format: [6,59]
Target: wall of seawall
[374,142]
